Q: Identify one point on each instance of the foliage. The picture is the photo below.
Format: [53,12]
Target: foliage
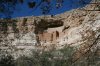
[47,58]
[61,57]
[7,60]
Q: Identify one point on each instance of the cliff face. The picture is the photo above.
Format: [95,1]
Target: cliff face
[75,28]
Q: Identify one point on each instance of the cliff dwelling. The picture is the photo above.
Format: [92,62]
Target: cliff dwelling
[47,31]
[50,30]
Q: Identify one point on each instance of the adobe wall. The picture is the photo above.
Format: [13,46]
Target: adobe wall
[51,35]
[27,25]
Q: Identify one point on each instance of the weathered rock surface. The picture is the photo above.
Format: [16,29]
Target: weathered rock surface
[75,28]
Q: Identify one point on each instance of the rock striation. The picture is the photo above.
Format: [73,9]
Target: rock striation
[77,28]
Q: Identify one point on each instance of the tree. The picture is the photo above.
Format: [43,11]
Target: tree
[47,58]
[7,60]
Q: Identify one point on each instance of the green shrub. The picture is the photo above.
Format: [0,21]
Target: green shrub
[7,60]
[46,58]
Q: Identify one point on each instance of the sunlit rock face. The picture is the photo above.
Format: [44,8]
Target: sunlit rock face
[81,34]
[74,28]
[17,37]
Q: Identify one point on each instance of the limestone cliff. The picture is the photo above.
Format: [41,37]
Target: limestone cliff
[75,28]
